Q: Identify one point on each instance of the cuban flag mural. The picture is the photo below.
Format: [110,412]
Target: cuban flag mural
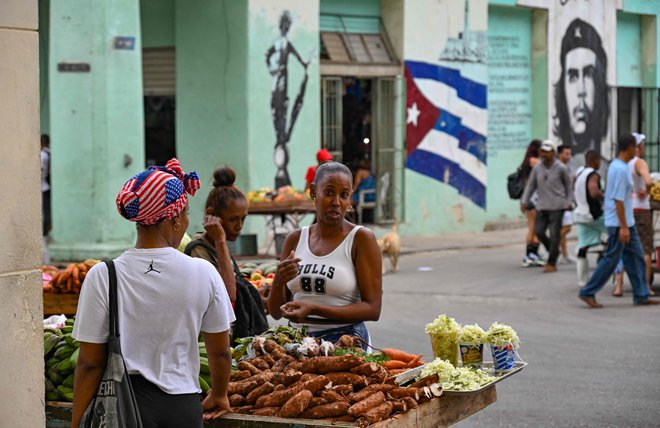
[447,119]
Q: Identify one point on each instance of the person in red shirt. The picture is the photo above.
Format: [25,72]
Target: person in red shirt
[322,156]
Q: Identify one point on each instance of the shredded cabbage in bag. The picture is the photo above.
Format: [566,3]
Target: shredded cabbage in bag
[501,333]
[456,379]
[472,333]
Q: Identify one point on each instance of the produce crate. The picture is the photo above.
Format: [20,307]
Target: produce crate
[440,412]
[57,304]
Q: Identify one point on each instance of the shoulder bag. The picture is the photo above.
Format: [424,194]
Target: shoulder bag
[114,405]
[515,184]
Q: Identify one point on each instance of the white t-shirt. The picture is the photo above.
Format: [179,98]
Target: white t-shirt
[44,156]
[165,299]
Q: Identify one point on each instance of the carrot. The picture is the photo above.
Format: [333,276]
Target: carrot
[415,362]
[395,364]
[395,354]
[398,371]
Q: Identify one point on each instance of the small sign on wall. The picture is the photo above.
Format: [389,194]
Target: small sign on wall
[73,67]
[124,43]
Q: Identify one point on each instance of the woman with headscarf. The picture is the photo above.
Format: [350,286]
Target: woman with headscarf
[329,278]
[165,299]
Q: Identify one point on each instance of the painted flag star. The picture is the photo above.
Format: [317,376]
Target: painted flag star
[413,114]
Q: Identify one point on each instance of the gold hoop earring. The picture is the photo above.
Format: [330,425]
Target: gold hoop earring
[349,209]
[177,227]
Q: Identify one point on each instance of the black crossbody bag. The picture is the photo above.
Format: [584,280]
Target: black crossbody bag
[114,405]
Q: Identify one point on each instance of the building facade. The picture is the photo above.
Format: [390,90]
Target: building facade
[441,96]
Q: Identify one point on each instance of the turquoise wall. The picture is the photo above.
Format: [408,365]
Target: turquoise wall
[364,16]
[44,96]
[212,101]
[97,129]
[157,19]
[628,50]
[509,102]
[540,74]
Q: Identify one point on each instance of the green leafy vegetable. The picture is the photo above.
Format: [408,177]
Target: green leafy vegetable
[456,379]
[368,358]
[444,334]
[499,334]
[472,333]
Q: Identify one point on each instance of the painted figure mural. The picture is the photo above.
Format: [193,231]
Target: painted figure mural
[277,59]
[582,105]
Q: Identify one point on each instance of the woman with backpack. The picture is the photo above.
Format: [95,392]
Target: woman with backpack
[532,243]
[226,209]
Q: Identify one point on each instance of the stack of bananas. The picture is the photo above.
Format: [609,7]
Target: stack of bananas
[655,191]
[61,355]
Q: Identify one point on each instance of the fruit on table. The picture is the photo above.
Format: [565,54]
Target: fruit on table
[70,279]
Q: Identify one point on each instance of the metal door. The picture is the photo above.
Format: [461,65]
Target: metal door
[331,116]
[387,147]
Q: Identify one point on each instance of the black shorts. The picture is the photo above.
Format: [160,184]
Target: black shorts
[159,409]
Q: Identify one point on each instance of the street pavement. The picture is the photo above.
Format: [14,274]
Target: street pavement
[587,368]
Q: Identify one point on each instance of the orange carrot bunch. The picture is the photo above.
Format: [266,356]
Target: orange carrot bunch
[400,361]
[70,279]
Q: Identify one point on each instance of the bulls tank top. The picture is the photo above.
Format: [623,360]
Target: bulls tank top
[325,280]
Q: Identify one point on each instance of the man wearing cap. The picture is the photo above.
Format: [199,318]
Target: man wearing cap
[623,239]
[554,186]
[641,204]
[322,156]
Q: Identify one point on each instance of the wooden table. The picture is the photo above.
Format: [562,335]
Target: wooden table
[440,412]
[57,304]
[289,212]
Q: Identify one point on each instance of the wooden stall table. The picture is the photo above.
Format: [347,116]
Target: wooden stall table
[443,411]
[58,304]
[290,212]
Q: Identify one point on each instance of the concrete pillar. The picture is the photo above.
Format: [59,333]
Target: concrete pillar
[21,350]
[96,123]
[211,98]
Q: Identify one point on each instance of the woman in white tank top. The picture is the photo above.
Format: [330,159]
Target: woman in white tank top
[329,279]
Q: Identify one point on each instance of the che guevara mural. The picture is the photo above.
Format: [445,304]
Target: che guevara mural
[582,67]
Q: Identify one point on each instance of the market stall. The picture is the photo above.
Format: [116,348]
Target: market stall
[284,378]
[282,209]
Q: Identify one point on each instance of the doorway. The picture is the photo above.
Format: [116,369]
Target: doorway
[359,127]
[159,131]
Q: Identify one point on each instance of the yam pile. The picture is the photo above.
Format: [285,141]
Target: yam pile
[329,388]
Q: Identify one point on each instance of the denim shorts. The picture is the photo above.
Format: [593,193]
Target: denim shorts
[333,334]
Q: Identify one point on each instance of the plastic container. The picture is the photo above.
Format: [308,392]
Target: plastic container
[472,354]
[445,346]
[504,356]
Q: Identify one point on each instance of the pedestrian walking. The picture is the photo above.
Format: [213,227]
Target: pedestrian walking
[44,156]
[641,203]
[588,212]
[530,160]
[623,239]
[552,181]
[564,154]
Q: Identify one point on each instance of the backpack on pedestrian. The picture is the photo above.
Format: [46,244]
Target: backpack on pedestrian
[515,184]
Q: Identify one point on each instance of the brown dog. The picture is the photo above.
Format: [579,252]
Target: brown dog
[390,245]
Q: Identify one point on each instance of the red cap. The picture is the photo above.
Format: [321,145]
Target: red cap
[323,156]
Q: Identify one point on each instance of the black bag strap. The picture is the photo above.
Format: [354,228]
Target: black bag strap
[112,294]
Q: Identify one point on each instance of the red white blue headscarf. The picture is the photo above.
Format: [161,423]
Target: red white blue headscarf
[156,194]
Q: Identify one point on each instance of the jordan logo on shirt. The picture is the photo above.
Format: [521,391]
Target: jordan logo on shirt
[151,268]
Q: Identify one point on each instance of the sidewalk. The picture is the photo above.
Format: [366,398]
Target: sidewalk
[463,240]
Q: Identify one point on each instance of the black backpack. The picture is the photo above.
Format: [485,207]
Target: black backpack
[515,184]
[250,314]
